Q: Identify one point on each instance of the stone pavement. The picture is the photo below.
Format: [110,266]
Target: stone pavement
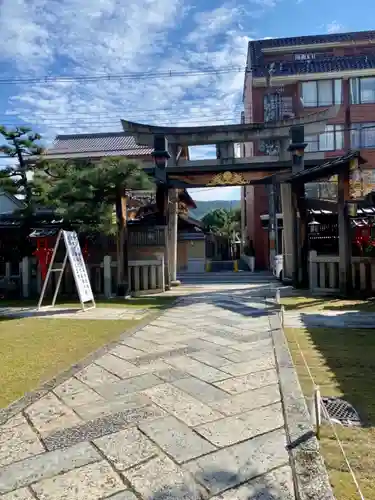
[188,407]
[329,319]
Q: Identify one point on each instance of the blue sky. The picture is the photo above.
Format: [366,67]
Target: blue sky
[80,37]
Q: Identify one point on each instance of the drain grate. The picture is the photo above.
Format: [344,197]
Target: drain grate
[340,411]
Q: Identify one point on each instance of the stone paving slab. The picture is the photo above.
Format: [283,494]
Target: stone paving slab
[127,448]
[237,464]
[249,400]
[18,442]
[330,319]
[161,479]
[182,405]
[47,465]
[21,494]
[187,407]
[50,414]
[93,481]
[272,486]
[207,393]
[231,430]
[248,382]
[176,439]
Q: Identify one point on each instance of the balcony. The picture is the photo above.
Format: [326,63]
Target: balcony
[277,107]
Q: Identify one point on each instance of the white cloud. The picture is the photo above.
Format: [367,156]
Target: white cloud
[334,27]
[111,37]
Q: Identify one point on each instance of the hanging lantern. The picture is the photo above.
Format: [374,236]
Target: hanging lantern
[314,226]
[85,251]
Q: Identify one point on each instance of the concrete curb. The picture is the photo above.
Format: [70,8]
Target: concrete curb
[311,479]
[30,397]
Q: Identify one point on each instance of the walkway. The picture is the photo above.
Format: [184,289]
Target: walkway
[330,319]
[189,407]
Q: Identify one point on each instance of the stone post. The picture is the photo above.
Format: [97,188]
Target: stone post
[107,268]
[25,272]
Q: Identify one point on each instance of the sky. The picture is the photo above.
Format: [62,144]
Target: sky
[167,62]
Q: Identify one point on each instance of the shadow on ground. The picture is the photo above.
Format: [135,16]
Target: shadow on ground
[349,354]
[272,486]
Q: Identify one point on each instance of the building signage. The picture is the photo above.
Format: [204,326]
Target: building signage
[78,266]
[304,57]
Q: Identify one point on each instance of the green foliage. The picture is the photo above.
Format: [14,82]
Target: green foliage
[19,143]
[223,222]
[203,207]
[85,193]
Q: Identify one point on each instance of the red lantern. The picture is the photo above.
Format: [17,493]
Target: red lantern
[43,253]
[85,252]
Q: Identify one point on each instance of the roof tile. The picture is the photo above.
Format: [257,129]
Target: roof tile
[322,64]
[104,144]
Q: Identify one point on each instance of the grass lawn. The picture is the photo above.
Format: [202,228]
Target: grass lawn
[34,350]
[342,362]
[313,303]
[153,303]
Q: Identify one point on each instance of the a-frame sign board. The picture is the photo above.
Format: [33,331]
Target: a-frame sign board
[73,252]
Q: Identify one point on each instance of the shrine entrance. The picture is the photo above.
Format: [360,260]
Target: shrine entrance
[171,172]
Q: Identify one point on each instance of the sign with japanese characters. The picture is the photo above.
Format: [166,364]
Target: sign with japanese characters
[78,266]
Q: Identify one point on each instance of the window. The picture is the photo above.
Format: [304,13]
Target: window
[330,140]
[362,135]
[321,93]
[362,90]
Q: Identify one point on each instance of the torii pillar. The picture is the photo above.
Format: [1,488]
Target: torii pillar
[173,222]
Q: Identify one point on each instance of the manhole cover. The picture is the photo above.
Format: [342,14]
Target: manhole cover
[340,411]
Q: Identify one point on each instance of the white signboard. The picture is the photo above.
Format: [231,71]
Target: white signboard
[78,265]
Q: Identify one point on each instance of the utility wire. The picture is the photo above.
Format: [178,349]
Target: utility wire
[123,76]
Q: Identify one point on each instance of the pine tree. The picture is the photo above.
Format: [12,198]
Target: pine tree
[20,143]
[85,193]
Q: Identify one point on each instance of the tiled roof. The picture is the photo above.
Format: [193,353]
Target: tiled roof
[321,64]
[327,65]
[354,36]
[96,145]
[327,169]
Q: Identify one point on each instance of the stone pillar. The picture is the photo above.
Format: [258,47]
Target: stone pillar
[173,223]
[25,270]
[107,272]
[288,216]
[162,196]
[272,226]
[172,234]
[299,252]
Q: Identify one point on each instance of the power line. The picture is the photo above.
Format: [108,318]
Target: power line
[123,76]
[116,114]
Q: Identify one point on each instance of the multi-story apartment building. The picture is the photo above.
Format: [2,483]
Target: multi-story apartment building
[288,77]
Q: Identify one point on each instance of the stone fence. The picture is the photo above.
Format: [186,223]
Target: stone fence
[23,279]
[324,273]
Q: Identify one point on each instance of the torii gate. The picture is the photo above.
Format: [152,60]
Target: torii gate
[226,169]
